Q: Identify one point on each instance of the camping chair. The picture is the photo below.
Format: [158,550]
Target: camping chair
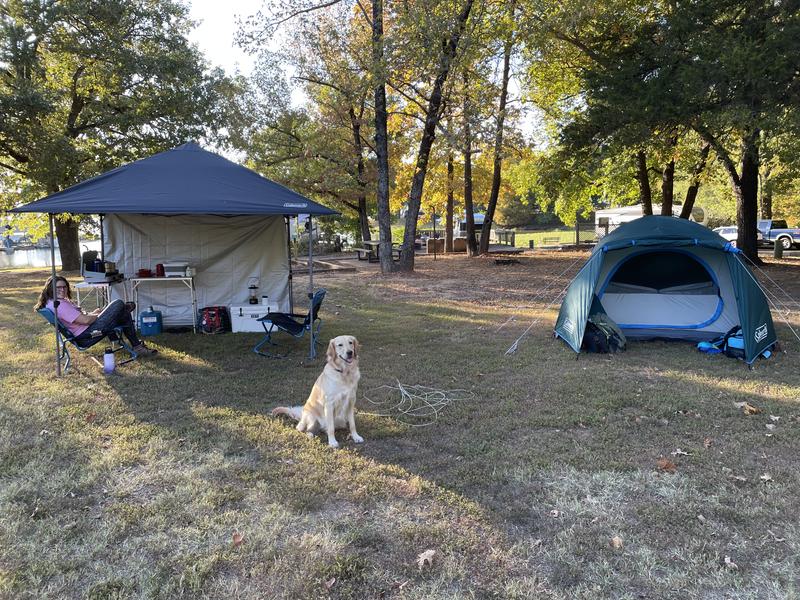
[293,324]
[66,336]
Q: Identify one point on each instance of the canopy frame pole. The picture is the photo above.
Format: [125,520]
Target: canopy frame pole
[53,291]
[312,354]
[102,239]
[286,220]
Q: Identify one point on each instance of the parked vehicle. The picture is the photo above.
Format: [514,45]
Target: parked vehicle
[731,233]
[608,219]
[775,231]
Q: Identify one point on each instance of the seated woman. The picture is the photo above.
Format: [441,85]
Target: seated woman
[82,325]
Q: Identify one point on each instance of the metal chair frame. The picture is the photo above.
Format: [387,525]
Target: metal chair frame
[290,323]
[65,336]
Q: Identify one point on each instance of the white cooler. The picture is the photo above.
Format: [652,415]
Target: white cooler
[245,317]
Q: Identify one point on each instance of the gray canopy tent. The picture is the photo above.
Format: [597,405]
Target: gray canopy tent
[186,180]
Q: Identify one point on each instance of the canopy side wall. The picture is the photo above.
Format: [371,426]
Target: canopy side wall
[225,252]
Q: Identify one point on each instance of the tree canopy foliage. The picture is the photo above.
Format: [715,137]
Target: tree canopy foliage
[405,108]
[86,85]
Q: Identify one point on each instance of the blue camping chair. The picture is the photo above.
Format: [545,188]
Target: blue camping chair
[293,324]
[65,336]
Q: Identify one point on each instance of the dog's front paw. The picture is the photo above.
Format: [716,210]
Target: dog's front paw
[357,438]
[333,443]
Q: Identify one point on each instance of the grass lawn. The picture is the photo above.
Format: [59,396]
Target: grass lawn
[625,476]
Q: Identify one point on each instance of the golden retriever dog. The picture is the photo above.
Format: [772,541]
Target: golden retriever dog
[332,401]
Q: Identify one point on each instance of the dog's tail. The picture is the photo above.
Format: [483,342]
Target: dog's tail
[294,412]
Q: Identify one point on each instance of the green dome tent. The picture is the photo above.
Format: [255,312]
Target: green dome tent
[664,277]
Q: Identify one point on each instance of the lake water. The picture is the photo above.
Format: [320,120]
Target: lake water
[39,257]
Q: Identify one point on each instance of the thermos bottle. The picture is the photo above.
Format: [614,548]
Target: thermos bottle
[108,361]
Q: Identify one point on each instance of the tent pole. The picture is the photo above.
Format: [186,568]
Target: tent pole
[53,291]
[313,352]
[289,256]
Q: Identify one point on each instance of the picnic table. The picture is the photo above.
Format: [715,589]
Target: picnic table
[371,251]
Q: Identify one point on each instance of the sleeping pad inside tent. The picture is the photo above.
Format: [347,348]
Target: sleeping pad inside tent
[668,278]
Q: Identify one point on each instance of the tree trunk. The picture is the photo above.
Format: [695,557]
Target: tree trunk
[432,116]
[358,149]
[68,244]
[469,209]
[381,140]
[691,192]
[488,219]
[448,225]
[766,194]
[745,187]
[645,196]
[668,182]
[363,219]
[747,197]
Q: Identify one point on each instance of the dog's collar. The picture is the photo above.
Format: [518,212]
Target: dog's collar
[340,370]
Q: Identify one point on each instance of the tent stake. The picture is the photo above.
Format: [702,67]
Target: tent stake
[53,291]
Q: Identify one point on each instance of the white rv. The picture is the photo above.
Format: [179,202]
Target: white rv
[609,219]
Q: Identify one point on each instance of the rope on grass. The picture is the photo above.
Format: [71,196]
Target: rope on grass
[420,405]
[553,281]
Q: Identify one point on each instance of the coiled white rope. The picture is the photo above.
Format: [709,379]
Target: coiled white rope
[420,405]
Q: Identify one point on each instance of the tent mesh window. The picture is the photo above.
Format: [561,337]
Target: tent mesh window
[662,272]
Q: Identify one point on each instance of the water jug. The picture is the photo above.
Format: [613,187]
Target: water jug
[108,361]
[150,322]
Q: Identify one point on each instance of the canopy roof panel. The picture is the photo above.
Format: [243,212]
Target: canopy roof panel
[184,180]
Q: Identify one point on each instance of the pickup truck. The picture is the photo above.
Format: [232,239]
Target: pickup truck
[775,231]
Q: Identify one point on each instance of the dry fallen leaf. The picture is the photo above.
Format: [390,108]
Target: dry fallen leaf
[399,585]
[707,442]
[730,564]
[329,584]
[766,478]
[665,464]
[90,417]
[747,408]
[426,558]
[238,538]
[770,426]
[679,452]
[616,542]
[774,418]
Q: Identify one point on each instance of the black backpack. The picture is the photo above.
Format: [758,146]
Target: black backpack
[214,319]
[603,335]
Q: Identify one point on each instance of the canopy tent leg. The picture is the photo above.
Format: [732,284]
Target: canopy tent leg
[53,291]
[289,257]
[312,354]
[102,240]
